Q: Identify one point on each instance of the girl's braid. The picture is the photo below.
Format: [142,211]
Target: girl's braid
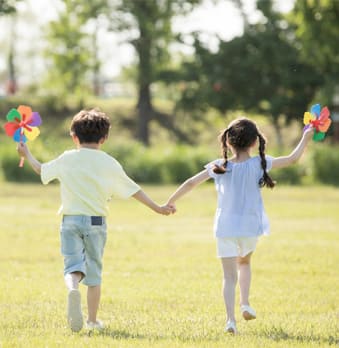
[266,179]
[222,169]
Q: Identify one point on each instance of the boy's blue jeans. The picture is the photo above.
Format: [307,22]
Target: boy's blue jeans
[83,239]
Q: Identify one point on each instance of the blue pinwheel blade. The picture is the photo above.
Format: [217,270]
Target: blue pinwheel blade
[18,137]
[315,110]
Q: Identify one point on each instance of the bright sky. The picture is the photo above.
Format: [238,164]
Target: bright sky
[221,19]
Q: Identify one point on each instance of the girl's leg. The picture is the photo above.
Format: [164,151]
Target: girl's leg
[229,265]
[244,267]
[93,299]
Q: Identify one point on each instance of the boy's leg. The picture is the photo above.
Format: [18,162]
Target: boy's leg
[93,300]
[74,312]
[245,275]
[229,265]
[72,280]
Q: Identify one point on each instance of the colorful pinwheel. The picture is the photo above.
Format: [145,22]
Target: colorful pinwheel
[22,124]
[319,119]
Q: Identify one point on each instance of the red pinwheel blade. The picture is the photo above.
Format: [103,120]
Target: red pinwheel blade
[325,114]
[10,128]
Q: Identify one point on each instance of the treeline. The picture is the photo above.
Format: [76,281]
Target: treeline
[176,164]
[277,68]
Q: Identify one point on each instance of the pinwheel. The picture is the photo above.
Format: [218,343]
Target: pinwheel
[319,119]
[22,125]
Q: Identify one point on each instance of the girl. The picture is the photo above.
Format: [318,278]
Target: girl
[240,217]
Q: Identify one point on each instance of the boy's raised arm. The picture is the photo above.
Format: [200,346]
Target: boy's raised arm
[24,152]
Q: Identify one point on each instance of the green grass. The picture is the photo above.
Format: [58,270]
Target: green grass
[162,281]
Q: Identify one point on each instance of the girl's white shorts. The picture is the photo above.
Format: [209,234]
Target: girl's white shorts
[234,247]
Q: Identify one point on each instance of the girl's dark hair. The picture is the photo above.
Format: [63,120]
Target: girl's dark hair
[90,126]
[241,134]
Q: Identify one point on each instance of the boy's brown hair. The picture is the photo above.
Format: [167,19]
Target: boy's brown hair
[90,126]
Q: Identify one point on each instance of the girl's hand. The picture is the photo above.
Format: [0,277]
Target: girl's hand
[166,209]
[308,133]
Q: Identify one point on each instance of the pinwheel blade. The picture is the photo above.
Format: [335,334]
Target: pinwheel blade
[307,117]
[25,111]
[35,119]
[325,114]
[10,128]
[317,136]
[325,126]
[18,137]
[13,115]
[315,110]
[32,133]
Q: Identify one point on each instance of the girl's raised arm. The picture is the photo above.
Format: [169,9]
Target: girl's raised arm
[294,156]
[188,186]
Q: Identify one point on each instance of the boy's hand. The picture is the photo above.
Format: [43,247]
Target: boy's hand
[22,149]
[166,209]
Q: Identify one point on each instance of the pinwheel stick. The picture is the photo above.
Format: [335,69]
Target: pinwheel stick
[22,159]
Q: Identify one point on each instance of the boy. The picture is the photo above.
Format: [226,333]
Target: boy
[88,178]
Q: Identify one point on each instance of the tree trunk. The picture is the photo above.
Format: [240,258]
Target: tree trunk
[143,47]
[145,110]
[277,128]
[12,82]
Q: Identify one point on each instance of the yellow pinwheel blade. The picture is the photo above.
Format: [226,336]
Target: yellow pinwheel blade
[31,135]
[307,118]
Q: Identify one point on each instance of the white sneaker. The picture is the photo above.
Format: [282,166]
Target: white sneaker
[74,313]
[231,327]
[248,312]
[98,325]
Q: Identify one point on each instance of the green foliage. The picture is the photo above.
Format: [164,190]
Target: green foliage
[326,164]
[168,165]
[7,6]
[13,173]
[71,55]
[260,71]
[290,175]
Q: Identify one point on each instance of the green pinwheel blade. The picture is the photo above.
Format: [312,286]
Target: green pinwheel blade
[13,115]
[318,136]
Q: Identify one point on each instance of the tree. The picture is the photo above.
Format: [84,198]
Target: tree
[69,52]
[151,22]
[260,71]
[317,24]
[7,6]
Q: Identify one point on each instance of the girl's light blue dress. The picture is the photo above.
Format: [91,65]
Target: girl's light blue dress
[240,209]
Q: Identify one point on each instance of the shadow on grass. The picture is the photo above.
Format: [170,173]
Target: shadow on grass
[278,334]
[115,334]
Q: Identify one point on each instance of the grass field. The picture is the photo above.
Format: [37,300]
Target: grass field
[162,281]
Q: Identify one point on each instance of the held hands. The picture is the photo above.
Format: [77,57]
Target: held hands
[166,209]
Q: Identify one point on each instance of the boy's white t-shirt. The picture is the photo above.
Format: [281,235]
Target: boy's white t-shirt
[88,179]
[240,210]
